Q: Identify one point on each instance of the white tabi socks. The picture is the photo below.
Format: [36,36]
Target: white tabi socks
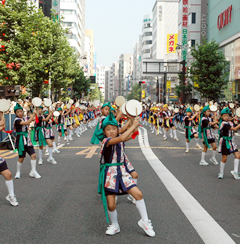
[10,187]
[33,165]
[113,217]
[203,156]
[54,145]
[50,152]
[40,154]
[236,163]
[140,204]
[187,146]
[175,133]
[222,166]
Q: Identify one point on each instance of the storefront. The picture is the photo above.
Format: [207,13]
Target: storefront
[223,27]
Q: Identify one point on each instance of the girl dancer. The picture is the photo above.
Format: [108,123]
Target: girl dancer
[205,129]
[23,142]
[190,132]
[61,128]
[114,178]
[43,135]
[226,145]
[5,172]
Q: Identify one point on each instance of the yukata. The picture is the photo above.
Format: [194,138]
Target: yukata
[71,119]
[189,130]
[23,142]
[117,179]
[48,130]
[167,122]
[113,175]
[226,145]
[40,130]
[151,119]
[61,127]
[208,137]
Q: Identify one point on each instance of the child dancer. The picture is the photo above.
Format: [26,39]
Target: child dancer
[226,145]
[190,132]
[23,142]
[205,129]
[43,135]
[5,172]
[114,178]
[61,128]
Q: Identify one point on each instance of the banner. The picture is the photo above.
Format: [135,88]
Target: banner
[172,40]
[168,86]
[56,8]
[184,29]
[143,93]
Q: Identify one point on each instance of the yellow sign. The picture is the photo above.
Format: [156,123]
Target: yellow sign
[168,86]
[143,93]
[196,84]
[172,40]
[234,87]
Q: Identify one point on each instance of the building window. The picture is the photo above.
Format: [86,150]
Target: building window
[193,42]
[68,12]
[193,18]
[147,43]
[147,34]
[146,51]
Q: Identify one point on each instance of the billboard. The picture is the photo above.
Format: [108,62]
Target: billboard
[172,43]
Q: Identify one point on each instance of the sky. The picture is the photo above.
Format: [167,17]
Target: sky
[117,25]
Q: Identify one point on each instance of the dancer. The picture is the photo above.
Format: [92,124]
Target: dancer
[61,126]
[226,145]
[23,142]
[117,179]
[190,132]
[5,172]
[205,130]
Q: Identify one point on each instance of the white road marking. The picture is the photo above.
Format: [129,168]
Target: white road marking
[207,228]
[181,132]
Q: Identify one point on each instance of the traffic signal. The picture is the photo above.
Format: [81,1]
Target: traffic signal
[141,82]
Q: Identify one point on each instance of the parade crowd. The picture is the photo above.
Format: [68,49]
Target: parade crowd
[114,125]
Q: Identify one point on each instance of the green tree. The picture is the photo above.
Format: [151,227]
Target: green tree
[135,93]
[36,48]
[94,93]
[208,69]
[81,84]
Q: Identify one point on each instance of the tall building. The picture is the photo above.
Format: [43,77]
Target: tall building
[90,47]
[74,19]
[223,27]
[107,85]
[124,72]
[147,28]
[100,78]
[165,22]
[165,39]
[89,57]
[113,90]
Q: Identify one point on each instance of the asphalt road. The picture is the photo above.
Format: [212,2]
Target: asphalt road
[64,207]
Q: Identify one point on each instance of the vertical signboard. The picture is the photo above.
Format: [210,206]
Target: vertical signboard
[204,6]
[56,8]
[184,29]
[172,43]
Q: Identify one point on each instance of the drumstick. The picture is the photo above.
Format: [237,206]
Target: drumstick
[136,112]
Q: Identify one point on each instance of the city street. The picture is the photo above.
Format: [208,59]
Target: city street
[64,207]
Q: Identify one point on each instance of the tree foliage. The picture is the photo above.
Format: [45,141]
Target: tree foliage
[208,69]
[34,48]
[135,93]
[81,84]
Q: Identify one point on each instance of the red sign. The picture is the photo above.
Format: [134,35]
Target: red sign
[224,18]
